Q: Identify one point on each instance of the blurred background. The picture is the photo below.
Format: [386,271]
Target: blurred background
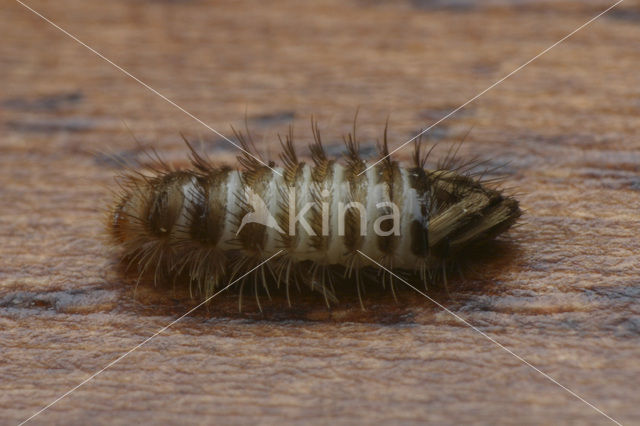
[564,129]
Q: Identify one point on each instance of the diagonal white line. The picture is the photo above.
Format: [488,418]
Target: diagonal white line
[145,85]
[465,322]
[144,342]
[495,84]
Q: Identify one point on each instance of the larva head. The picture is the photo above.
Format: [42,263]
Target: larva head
[148,208]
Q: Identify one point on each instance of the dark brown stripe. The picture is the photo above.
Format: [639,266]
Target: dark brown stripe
[165,203]
[391,176]
[253,236]
[321,174]
[208,211]
[353,238]
[290,242]
[419,180]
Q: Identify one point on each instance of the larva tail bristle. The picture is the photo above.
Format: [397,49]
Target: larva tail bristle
[417,158]
[420,160]
[451,161]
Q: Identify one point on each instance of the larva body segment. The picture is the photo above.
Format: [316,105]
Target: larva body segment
[210,224]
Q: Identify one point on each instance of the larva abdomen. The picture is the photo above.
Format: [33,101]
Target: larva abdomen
[210,224]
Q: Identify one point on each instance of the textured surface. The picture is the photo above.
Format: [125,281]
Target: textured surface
[562,294]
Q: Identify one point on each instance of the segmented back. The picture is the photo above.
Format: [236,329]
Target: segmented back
[210,224]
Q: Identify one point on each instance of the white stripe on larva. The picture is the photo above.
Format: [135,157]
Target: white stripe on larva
[232,185]
[181,228]
[276,194]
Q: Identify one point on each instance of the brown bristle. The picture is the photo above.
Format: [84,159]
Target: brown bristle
[210,224]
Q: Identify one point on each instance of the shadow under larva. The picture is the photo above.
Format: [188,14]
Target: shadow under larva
[325,226]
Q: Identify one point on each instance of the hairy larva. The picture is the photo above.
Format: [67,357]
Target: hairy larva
[206,225]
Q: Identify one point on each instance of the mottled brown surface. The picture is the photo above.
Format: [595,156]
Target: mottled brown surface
[563,294]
